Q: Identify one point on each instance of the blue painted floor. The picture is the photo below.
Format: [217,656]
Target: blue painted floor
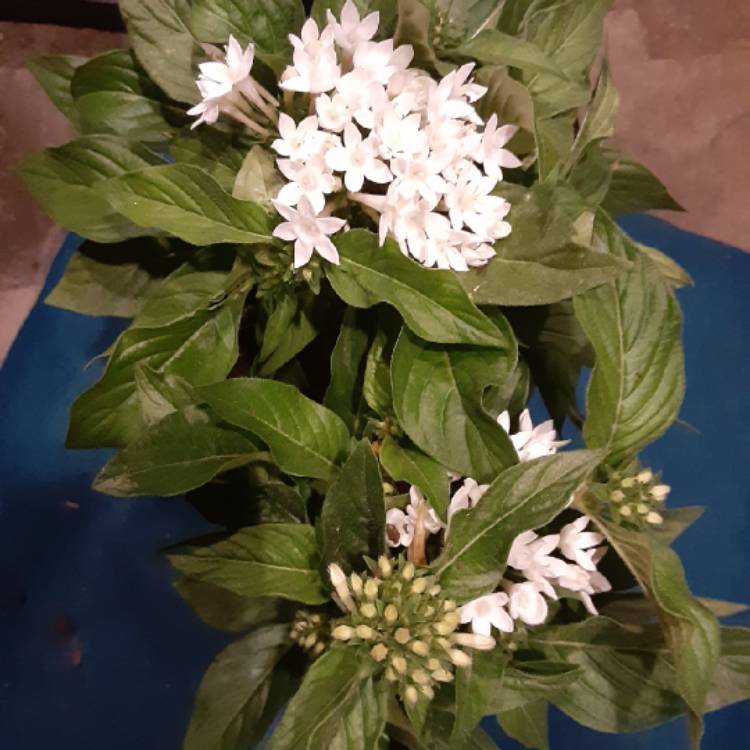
[97,651]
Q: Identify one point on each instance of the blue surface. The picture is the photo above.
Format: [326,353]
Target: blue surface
[97,651]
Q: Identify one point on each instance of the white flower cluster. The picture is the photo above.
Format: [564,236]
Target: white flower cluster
[530,556]
[374,121]
[378,122]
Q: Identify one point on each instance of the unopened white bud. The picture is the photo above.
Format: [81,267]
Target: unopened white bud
[474,640]
[628,482]
[420,677]
[311,640]
[459,658]
[442,675]
[449,605]
[433,664]
[645,476]
[356,582]
[399,664]
[617,496]
[371,588]
[343,632]
[420,648]
[337,575]
[654,518]
[379,651]
[384,565]
[625,511]
[365,632]
[434,590]
[411,694]
[427,691]
[390,613]
[390,675]
[368,609]
[320,647]
[660,491]
[408,572]
[339,581]
[642,508]
[419,586]
[402,636]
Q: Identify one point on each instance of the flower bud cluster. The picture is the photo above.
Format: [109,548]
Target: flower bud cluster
[401,616]
[637,499]
[311,631]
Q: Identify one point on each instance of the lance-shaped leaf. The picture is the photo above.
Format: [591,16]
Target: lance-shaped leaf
[338,705]
[114,95]
[541,262]
[67,181]
[634,189]
[54,74]
[343,395]
[201,349]
[258,179]
[305,438]
[181,452]
[625,682]
[220,154]
[352,522]
[523,497]
[405,462]
[432,303]
[527,724]
[437,395]
[183,200]
[229,718]
[731,681]
[288,331]
[634,325]
[273,559]
[163,44]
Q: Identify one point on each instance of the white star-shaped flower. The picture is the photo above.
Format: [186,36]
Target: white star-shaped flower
[576,544]
[352,30]
[532,442]
[333,112]
[526,603]
[298,142]
[491,154]
[308,231]
[219,78]
[309,179]
[358,159]
[316,68]
[487,612]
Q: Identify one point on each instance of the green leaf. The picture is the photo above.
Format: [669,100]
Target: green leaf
[54,74]
[223,610]
[266,23]
[432,302]
[258,180]
[163,44]
[161,395]
[185,201]
[554,141]
[177,454]
[625,681]
[376,386]
[405,462]
[288,331]
[530,680]
[342,395]
[336,698]
[305,438]
[692,630]
[599,122]
[114,95]
[731,681]
[67,181]
[413,27]
[674,274]
[492,47]
[110,279]
[634,325]
[352,522]
[676,521]
[540,263]
[634,189]
[201,349]
[226,719]
[274,559]
[475,687]
[437,395]
[220,154]
[523,497]
[183,293]
[527,724]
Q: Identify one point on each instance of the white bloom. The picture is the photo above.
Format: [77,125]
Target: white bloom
[419,174]
[309,231]
[219,78]
[466,496]
[576,544]
[316,68]
[492,155]
[333,112]
[585,583]
[358,159]
[363,96]
[380,61]
[298,141]
[351,30]
[532,442]
[526,603]
[469,202]
[208,111]
[311,179]
[399,528]
[400,136]
[487,612]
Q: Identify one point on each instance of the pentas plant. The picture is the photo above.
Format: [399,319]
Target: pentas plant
[349,256]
